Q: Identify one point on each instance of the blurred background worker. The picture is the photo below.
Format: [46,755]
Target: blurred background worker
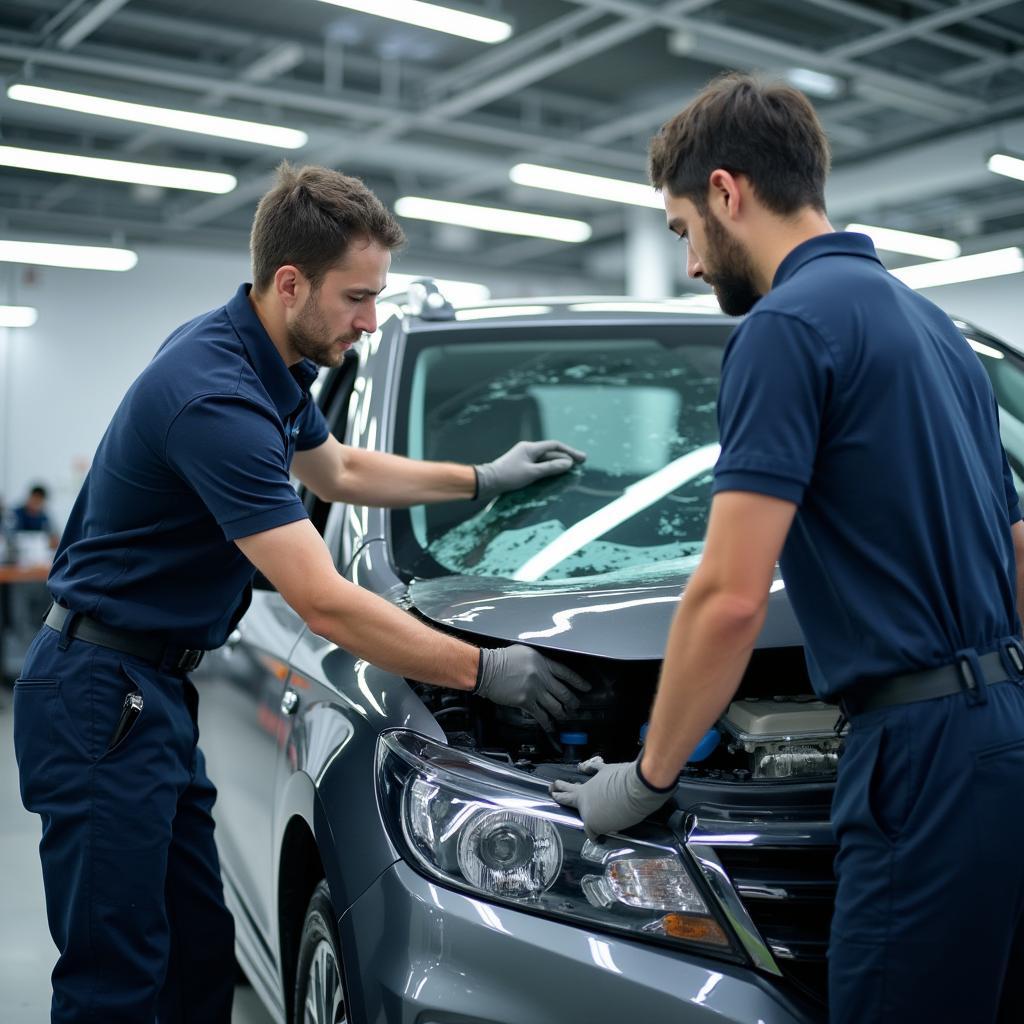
[33,516]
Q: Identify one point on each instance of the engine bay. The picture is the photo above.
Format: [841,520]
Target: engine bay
[774,731]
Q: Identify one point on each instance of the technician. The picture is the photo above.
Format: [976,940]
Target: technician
[189,490]
[860,445]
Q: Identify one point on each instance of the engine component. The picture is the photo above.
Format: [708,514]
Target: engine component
[784,738]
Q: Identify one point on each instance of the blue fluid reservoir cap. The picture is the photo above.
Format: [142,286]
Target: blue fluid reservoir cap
[573,739]
[705,747]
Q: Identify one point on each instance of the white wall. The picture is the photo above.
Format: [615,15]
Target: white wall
[62,379]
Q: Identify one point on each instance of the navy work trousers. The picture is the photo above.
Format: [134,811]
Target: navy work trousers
[929,815]
[133,889]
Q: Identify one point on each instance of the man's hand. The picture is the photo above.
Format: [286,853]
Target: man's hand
[524,463]
[614,799]
[520,677]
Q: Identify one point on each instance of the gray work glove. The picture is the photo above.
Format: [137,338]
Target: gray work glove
[524,463]
[616,797]
[520,677]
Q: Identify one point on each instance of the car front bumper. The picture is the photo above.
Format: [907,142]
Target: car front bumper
[417,953]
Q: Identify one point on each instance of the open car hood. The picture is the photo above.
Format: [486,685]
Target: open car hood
[623,615]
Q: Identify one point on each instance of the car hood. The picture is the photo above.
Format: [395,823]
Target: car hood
[623,615]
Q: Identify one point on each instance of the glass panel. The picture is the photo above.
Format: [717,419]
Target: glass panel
[641,404]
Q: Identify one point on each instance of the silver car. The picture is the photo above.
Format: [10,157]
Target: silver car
[389,849]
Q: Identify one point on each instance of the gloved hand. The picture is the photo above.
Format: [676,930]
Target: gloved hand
[520,677]
[614,799]
[523,464]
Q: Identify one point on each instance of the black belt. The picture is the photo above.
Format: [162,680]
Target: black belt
[968,674]
[149,647]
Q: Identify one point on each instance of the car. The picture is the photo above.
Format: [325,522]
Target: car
[389,849]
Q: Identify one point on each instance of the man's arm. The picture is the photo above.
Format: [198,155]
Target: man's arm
[1017,532]
[715,627]
[337,472]
[709,645]
[296,561]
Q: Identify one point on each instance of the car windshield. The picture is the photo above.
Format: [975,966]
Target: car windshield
[639,400]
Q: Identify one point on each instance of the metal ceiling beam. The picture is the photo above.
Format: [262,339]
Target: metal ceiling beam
[869,15]
[789,55]
[442,116]
[518,49]
[916,28]
[88,23]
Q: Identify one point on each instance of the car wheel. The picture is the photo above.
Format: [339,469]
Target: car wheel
[319,992]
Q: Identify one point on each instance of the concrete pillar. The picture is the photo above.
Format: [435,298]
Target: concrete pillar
[650,255]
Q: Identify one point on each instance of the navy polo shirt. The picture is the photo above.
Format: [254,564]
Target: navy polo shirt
[857,399]
[197,455]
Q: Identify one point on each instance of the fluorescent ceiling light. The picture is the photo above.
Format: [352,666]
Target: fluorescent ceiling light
[433,16]
[985,350]
[161,117]
[814,83]
[497,312]
[1011,166]
[458,293]
[966,268]
[486,218]
[907,241]
[592,186]
[18,316]
[78,257]
[634,499]
[116,170]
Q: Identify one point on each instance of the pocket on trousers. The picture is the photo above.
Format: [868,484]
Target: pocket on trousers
[35,741]
[997,812]
[891,788]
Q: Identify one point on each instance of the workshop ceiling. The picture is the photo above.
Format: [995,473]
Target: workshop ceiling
[926,90]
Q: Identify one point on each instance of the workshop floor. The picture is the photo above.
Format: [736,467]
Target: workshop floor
[27,953]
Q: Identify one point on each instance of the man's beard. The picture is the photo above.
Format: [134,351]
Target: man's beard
[731,269]
[309,335]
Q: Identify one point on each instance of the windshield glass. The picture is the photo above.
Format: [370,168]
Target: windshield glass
[640,401]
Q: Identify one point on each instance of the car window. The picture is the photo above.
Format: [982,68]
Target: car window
[640,402]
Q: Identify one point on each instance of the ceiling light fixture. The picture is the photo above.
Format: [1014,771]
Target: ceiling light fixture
[77,257]
[591,186]
[487,218]
[967,268]
[814,83]
[433,16]
[18,316]
[1011,166]
[160,117]
[116,170]
[891,240]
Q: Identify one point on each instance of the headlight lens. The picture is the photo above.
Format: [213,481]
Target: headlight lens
[478,826]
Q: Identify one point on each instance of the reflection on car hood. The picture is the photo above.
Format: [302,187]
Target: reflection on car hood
[624,615]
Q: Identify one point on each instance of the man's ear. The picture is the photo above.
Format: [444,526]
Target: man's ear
[724,193]
[289,284]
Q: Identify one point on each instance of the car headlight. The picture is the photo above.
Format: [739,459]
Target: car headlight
[495,832]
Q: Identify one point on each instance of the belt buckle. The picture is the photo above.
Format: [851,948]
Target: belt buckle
[189,660]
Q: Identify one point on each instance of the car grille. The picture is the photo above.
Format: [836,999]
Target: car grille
[789,893]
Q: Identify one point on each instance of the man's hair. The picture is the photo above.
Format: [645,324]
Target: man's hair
[766,131]
[38,489]
[310,218]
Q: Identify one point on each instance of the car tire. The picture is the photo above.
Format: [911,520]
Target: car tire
[319,983]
